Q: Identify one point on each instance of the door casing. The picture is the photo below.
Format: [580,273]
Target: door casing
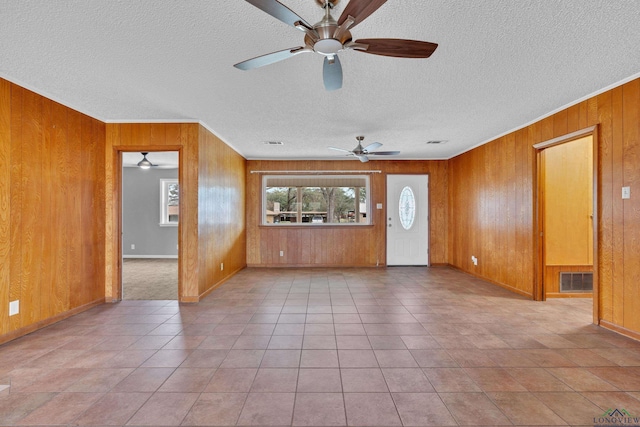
[392,219]
[538,291]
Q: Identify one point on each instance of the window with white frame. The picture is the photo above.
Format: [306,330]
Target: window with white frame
[314,200]
[169,202]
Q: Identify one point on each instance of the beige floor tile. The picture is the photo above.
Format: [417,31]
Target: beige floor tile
[371,409]
[423,346]
[407,380]
[356,380]
[422,409]
[525,409]
[215,409]
[164,409]
[269,380]
[237,380]
[267,409]
[474,409]
[319,380]
[319,409]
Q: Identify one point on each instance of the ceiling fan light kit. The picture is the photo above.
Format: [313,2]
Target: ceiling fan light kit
[144,163]
[328,37]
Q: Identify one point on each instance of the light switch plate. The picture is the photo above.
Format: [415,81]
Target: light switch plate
[626,192]
[379,206]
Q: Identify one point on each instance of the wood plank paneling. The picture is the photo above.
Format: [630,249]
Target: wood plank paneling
[341,246]
[31,227]
[615,174]
[473,179]
[5,203]
[60,165]
[166,137]
[47,264]
[605,225]
[15,282]
[211,229]
[631,212]
[221,200]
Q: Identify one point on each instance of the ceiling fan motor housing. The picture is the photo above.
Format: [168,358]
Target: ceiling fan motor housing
[327,44]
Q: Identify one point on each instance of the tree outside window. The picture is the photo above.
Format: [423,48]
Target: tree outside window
[169,202]
[311,200]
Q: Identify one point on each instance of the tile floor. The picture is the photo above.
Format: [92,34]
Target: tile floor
[325,347]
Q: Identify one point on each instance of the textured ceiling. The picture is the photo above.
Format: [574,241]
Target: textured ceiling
[499,65]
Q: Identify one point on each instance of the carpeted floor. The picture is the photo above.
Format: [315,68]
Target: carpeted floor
[151,279]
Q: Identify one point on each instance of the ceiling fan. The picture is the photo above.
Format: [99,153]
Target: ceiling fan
[328,37]
[363,153]
[146,163]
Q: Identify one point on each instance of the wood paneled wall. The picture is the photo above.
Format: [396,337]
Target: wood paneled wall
[342,246]
[204,229]
[491,203]
[51,210]
[221,211]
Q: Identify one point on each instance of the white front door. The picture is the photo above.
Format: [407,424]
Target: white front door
[407,219]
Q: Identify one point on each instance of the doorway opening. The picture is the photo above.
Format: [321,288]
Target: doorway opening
[407,220]
[150,216]
[566,217]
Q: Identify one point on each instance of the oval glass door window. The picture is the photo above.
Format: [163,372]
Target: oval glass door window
[407,208]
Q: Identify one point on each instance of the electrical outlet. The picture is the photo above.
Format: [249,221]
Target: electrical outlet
[281,253]
[221,266]
[14,307]
[133,246]
[626,192]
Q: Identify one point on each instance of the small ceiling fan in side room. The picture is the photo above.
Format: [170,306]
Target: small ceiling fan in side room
[328,37]
[363,153]
[147,164]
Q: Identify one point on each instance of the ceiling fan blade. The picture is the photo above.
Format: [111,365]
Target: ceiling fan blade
[362,158]
[359,10]
[384,153]
[398,48]
[332,73]
[339,149]
[269,58]
[372,146]
[279,11]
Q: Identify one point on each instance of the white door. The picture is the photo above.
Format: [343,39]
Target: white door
[407,219]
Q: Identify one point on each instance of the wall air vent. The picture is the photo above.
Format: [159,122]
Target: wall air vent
[437,141]
[273,143]
[576,282]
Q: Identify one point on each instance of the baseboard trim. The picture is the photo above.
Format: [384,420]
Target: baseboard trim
[315,266]
[620,329]
[151,256]
[493,282]
[569,295]
[217,285]
[195,300]
[49,321]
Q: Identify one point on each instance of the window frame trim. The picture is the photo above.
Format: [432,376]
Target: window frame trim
[263,200]
[164,191]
